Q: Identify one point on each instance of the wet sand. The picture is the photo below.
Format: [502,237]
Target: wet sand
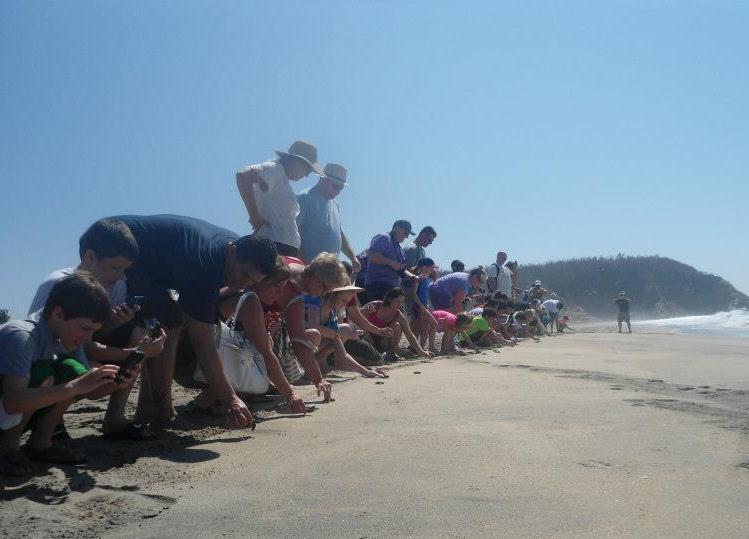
[587,435]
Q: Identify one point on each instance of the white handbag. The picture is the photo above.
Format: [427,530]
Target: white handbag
[244,365]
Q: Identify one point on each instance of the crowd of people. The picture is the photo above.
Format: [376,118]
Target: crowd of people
[167,297]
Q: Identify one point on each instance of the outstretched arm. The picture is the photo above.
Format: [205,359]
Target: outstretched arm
[412,340]
[303,349]
[251,316]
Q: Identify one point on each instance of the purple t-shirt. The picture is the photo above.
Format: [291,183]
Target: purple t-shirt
[385,245]
[451,283]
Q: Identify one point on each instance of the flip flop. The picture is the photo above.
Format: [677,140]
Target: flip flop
[55,454]
[134,432]
[15,464]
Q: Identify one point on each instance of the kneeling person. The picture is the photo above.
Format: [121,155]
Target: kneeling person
[43,370]
[107,249]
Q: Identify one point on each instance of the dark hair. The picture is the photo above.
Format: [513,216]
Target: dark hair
[457,265]
[461,319]
[80,296]
[429,230]
[349,267]
[491,304]
[392,294]
[109,238]
[489,313]
[426,261]
[479,272]
[520,316]
[500,296]
[259,252]
[560,305]
[502,306]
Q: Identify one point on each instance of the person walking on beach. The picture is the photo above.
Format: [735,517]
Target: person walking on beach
[622,301]
[319,218]
[271,203]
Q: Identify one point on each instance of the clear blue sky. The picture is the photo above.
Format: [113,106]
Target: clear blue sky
[547,129]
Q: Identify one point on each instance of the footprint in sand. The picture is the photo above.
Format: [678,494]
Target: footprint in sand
[595,464]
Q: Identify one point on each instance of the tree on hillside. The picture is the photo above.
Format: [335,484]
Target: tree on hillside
[658,286]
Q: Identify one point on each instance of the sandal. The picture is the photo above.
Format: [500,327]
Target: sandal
[133,432]
[55,454]
[15,464]
[60,436]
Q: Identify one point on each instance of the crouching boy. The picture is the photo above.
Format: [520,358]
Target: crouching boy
[43,370]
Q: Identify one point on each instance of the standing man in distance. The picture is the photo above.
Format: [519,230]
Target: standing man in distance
[417,251]
[270,201]
[499,276]
[622,302]
[319,218]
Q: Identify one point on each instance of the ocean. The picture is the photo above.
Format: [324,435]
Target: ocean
[730,324]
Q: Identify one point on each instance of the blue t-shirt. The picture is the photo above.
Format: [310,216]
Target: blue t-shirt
[385,245]
[423,291]
[451,283]
[319,223]
[183,254]
[24,342]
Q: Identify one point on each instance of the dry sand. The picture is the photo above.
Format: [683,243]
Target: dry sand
[587,435]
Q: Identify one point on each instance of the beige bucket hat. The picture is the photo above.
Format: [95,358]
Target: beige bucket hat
[348,288]
[304,151]
[336,173]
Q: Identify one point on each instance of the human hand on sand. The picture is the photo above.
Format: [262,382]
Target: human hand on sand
[427,354]
[296,404]
[375,373]
[238,416]
[325,388]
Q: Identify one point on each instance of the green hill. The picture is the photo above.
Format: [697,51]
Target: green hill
[659,287]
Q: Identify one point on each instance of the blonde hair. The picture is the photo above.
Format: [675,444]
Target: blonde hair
[327,268]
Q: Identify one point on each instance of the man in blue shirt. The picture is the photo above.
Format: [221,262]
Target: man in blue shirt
[386,261]
[196,259]
[319,219]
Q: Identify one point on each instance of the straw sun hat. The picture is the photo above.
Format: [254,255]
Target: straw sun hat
[306,152]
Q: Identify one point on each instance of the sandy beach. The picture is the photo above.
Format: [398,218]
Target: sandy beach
[586,435]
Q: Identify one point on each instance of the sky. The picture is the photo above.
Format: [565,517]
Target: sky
[550,130]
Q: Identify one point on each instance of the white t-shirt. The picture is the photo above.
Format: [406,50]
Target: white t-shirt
[503,276]
[117,293]
[552,305]
[278,205]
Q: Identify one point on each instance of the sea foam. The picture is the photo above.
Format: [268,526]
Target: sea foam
[730,323]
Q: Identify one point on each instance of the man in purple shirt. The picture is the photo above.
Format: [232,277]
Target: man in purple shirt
[386,262]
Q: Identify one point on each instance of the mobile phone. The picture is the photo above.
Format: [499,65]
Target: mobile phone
[153,326]
[129,364]
[134,300]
